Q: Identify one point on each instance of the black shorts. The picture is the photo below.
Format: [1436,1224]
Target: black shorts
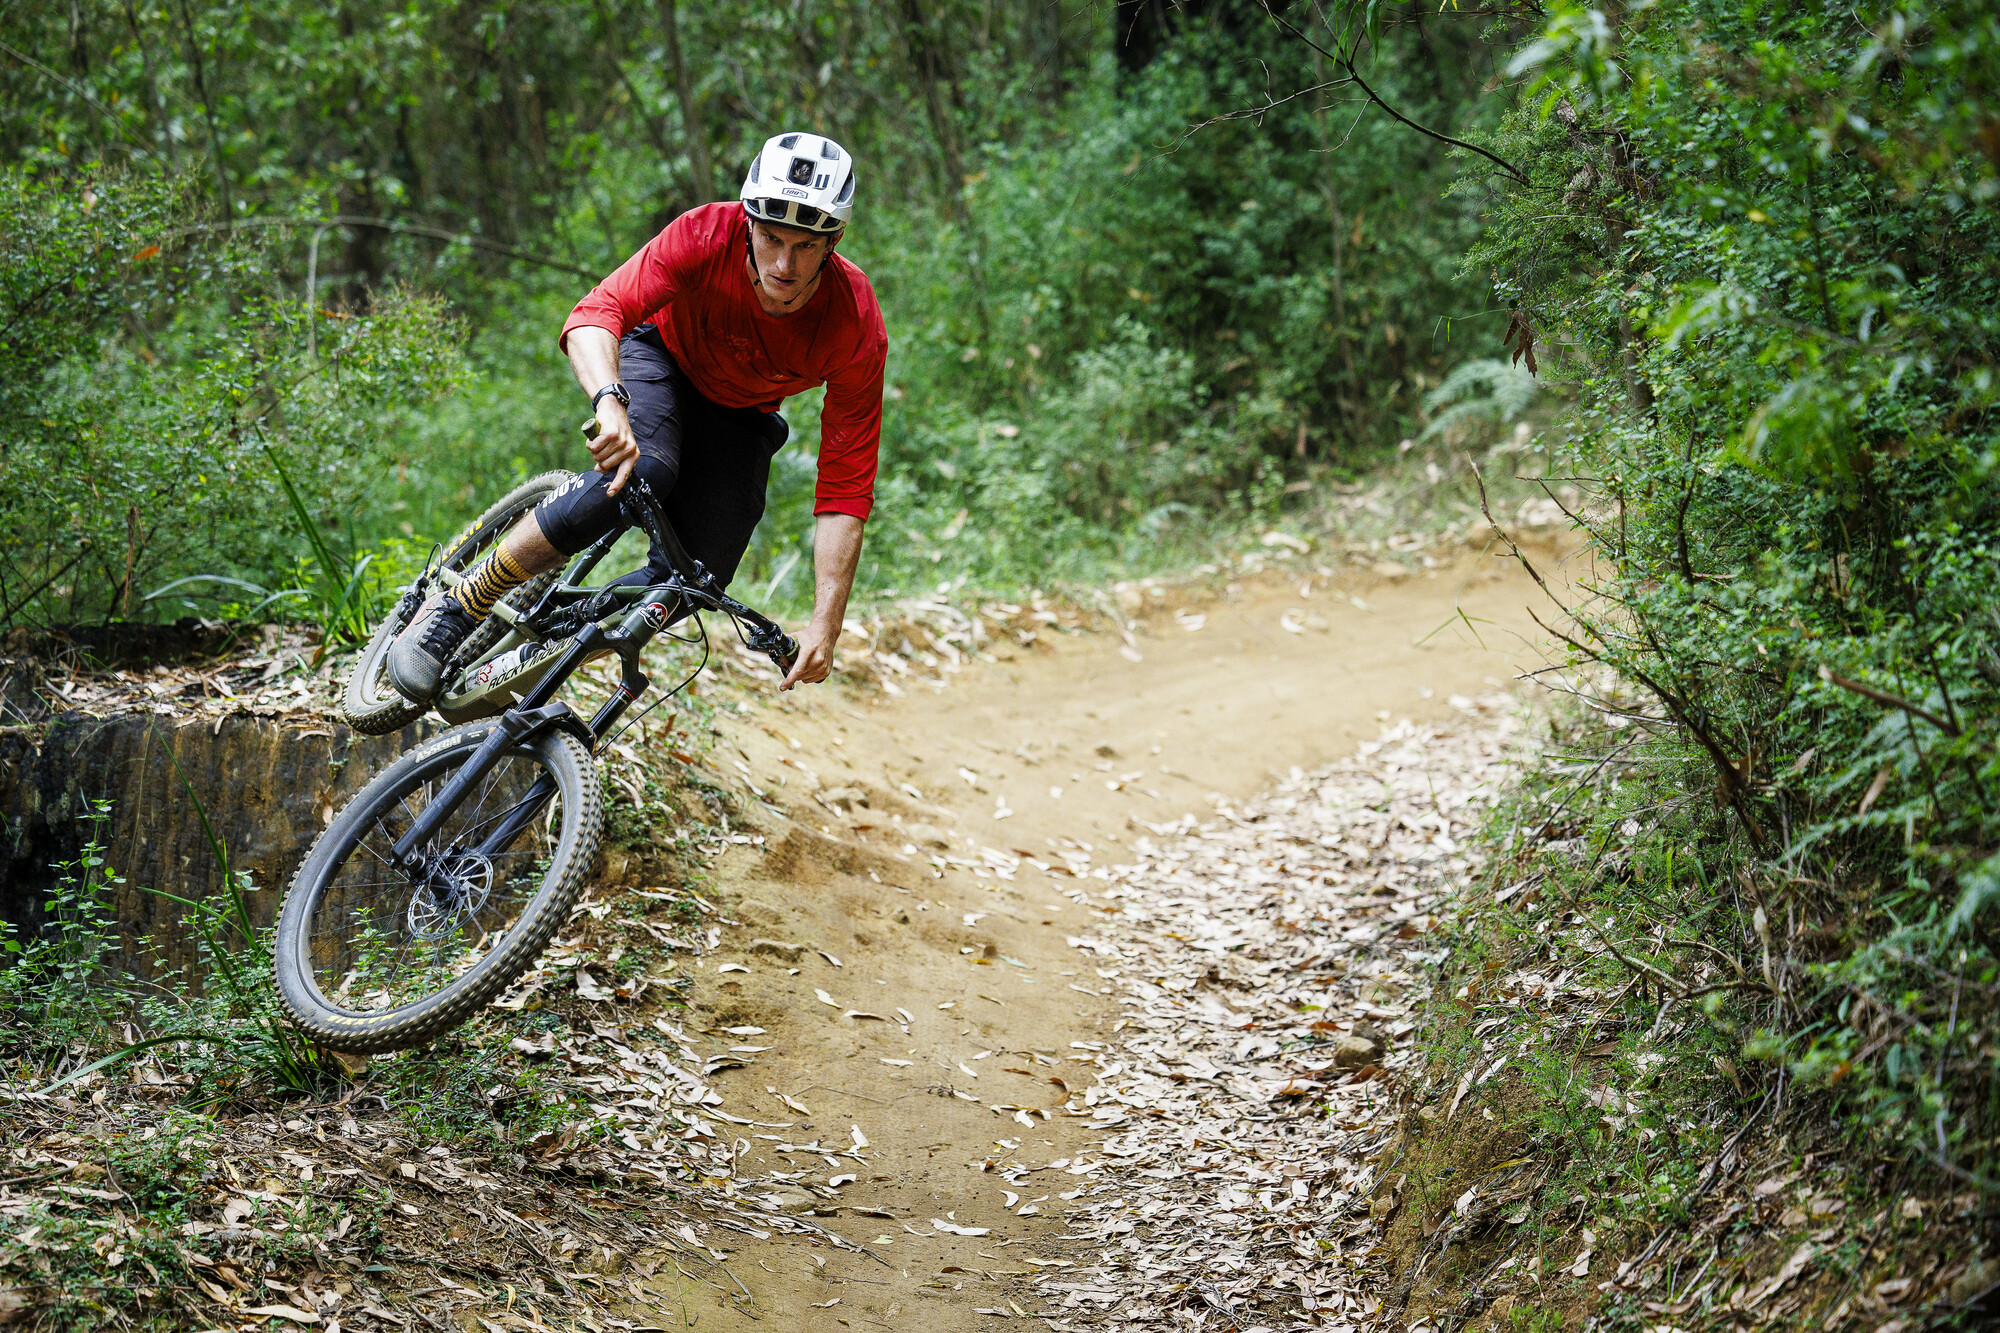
[709,465]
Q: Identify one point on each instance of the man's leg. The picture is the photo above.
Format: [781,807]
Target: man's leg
[560,526]
[724,474]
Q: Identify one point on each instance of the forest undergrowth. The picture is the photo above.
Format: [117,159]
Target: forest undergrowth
[1715,1046]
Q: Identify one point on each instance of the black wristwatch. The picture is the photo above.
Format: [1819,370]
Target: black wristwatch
[616,390]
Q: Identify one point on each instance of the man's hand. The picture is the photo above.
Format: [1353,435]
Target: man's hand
[815,661]
[836,554]
[614,448]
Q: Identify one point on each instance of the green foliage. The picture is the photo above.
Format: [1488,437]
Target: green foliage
[1760,248]
[221,1013]
[145,376]
[1061,253]
[1509,390]
[52,986]
[341,580]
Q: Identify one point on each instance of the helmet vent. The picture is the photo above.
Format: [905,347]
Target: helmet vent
[828,151]
[753,172]
[789,141]
[846,192]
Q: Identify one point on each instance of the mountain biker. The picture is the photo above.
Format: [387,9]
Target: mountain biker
[687,351]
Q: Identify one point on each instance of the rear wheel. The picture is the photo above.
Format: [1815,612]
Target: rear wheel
[368,702]
[373,957]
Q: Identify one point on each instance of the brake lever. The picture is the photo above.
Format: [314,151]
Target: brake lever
[780,647]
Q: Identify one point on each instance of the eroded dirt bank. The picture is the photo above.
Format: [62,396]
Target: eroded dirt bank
[905,936]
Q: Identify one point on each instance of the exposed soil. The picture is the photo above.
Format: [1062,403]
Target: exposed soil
[896,1094]
[927,843]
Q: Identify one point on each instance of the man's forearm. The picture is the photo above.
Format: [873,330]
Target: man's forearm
[593,356]
[836,555]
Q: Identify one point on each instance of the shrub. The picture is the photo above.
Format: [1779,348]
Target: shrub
[147,370]
[1771,284]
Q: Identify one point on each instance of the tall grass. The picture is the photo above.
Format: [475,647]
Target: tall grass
[345,592]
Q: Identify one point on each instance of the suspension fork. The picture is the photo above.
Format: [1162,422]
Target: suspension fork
[628,641]
[535,714]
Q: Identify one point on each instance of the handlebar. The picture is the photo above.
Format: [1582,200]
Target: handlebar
[786,654]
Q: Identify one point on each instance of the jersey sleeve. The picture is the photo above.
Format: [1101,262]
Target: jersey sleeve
[640,287]
[850,426]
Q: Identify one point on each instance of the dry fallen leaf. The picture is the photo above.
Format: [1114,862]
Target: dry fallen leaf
[290,1312]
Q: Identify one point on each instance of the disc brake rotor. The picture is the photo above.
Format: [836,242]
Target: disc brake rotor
[452,894]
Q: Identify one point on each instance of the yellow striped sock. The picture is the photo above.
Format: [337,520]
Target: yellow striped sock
[490,580]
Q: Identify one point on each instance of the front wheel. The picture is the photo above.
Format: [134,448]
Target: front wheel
[372,957]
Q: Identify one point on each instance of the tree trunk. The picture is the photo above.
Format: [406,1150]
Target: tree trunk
[158,130]
[932,65]
[208,115]
[1337,228]
[703,169]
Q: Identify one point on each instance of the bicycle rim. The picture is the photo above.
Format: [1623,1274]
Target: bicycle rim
[372,957]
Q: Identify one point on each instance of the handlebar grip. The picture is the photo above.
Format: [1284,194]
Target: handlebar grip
[590,429]
[786,654]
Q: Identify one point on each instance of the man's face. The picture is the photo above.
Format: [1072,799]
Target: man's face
[788,257]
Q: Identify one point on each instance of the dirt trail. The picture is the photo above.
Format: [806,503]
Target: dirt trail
[912,851]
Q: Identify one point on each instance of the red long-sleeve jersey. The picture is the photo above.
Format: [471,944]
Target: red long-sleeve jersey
[690,282]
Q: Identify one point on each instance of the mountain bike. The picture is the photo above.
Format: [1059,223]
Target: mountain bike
[440,882]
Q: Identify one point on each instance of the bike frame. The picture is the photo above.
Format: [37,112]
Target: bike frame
[688,589]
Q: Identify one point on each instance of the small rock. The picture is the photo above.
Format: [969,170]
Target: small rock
[789,952]
[1392,571]
[1354,1052]
[1106,752]
[927,835]
[758,911]
[844,799]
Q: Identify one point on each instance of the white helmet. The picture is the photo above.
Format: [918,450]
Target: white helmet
[801,180]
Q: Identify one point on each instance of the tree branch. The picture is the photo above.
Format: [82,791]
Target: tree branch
[1347,65]
[1831,677]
